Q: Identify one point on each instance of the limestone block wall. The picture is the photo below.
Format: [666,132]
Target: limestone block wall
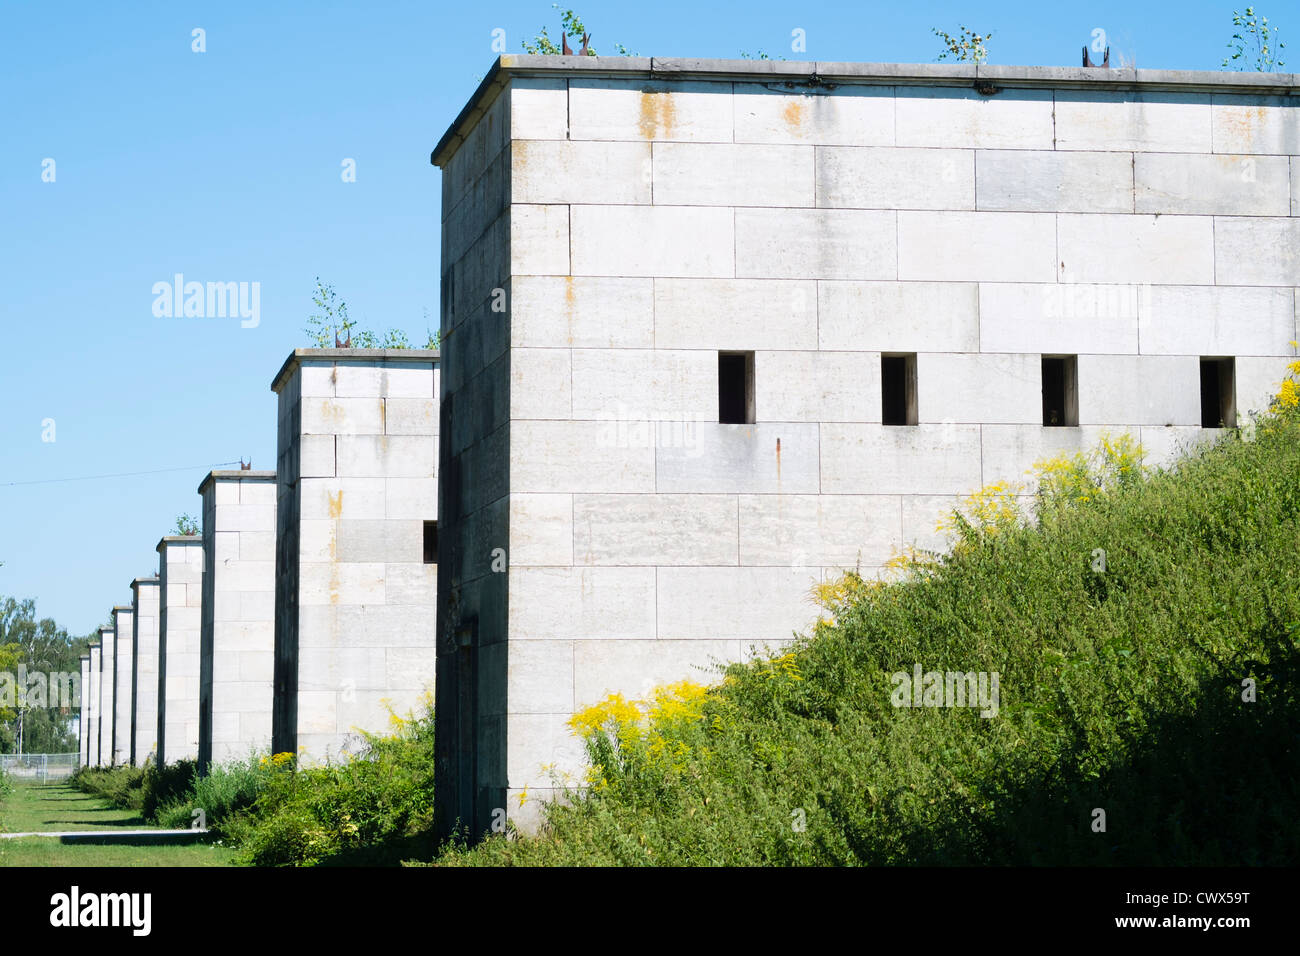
[144,675]
[238,614]
[84,728]
[92,726]
[180,577]
[474,474]
[644,216]
[108,653]
[123,680]
[356,482]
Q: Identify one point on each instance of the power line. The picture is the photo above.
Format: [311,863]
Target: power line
[121,474]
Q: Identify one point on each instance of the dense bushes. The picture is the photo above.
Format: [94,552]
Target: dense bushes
[226,791]
[375,808]
[1148,710]
[124,786]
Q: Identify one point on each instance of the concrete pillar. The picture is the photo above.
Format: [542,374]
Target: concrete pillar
[83,722]
[356,475]
[176,717]
[108,653]
[123,663]
[144,678]
[237,647]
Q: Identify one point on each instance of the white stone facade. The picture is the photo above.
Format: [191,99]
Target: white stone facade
[144,664]
[611,224]
[120,686]
[238,617]
[356,476]
[176,717]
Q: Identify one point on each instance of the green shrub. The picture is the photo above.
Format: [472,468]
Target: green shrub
[226,791]
[1120,690]
[165,784]
[374,808]
[123,786]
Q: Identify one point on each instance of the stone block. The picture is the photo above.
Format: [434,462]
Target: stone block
[766,458]
[884,177]
[734,314]
[729,174]
[850,116]
[648,241]
[1160,250]
[814,244]
[897,316]
[926,459]
[977,246]
[1218,185]
[1017,180]
[582,312]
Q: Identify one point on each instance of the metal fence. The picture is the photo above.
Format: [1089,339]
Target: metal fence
[40,768]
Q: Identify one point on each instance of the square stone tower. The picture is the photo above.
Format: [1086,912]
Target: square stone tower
[84,727]
[90,706]
[356,543]
[123,681]
[715,329]
[180,575]
[108,648]
[144,676]
[238,643]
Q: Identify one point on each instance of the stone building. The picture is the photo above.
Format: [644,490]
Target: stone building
[144,669]
[238,614]
[90,707]
[716,329]
[180,574]
[108,646]
[123,711]
[356,544]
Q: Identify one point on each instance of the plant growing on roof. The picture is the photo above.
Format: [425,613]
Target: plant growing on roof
[186,524]
[967,45]
[1255,41]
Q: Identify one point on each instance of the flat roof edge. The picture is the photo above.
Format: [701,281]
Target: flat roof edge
[298,356]
[226,474]
[826,73]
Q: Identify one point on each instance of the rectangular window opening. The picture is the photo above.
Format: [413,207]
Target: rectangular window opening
[898,389]
[1060,391]
[1218,393]
[431,542]
[736,388]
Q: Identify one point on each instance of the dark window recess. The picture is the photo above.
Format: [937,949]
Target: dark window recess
[1218,389]
[1060,390]
[431,542]
[736,388]
[898,389]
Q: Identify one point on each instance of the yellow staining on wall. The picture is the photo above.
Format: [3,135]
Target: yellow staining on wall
[658,115]
[793,115]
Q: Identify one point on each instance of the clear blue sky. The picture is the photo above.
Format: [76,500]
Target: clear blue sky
[225,166]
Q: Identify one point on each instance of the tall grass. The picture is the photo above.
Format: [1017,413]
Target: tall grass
[1148,711]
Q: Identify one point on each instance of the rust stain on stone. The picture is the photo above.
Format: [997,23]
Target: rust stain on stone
[658,115]
[793,116]
[335,504]
[778,460]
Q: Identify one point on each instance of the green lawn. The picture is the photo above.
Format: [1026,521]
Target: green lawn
[61,807]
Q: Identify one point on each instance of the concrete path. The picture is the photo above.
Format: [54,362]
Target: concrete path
[102,834]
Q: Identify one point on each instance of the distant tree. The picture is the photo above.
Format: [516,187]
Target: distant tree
[43,647]
[967,45]
[1254,45]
